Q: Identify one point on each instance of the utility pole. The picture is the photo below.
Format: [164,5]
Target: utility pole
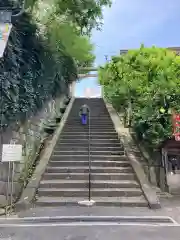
[106,57]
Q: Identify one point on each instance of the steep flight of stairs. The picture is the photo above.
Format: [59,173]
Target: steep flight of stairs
[65,180]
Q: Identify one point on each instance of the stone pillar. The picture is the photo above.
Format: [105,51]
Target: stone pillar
[102,91]
[152,176]
[72,89]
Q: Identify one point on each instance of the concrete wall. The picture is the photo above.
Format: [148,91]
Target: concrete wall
[173,181]
[30,135]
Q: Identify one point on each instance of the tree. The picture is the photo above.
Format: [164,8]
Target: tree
[64,34]
[145,80]
[41,60]
[86,14]
[45,47]
[65,39]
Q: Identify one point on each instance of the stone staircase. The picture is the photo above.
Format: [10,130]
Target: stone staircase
[65,180]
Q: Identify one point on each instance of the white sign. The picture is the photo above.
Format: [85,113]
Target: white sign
[5,29]
[177,138]
[11,153]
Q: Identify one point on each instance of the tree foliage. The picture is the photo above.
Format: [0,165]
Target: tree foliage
[44,49]
[144,81]
[70,42]
[86,14]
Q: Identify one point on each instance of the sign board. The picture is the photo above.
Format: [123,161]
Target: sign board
[176,126]
[5,29]
[11,153]
[5,16]
[177,138]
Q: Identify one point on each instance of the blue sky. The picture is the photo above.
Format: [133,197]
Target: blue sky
[128,23]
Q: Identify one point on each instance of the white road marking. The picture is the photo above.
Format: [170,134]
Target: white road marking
[85,217]
[87,224]
[175,222]
[85,221]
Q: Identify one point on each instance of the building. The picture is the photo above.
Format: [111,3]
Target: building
[123,51]
[175,49]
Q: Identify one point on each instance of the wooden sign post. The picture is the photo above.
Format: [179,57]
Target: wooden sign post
[11,153]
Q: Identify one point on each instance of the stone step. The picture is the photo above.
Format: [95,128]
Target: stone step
[101,158]
[107,137]
[95,122]
[94,176]
[85,184]
[83,141]
[95,192]
[92,133]
[94,107]
[86,131]
[83,100]
[94,118]
[82,128]
[66,178]
[100,116]
[83,153]
[87,135]
[86,163]
[79,127]
[92,145]
[93,102]
[100,201]
[82,148]
[96,103]
[103,118]
[85,169]
[96,113]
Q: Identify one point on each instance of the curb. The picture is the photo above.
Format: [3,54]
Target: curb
[25,201]
[90,219]
[149,192]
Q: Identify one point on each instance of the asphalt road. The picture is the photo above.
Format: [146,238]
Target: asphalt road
[91,233]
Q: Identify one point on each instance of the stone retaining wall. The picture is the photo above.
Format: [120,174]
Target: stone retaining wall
[31,135]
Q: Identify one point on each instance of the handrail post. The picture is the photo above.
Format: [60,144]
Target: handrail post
[89,157]
[89,202]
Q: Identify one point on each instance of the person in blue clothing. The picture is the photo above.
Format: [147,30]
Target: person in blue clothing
[83,113]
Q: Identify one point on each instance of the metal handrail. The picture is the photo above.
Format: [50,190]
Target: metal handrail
[89,154]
